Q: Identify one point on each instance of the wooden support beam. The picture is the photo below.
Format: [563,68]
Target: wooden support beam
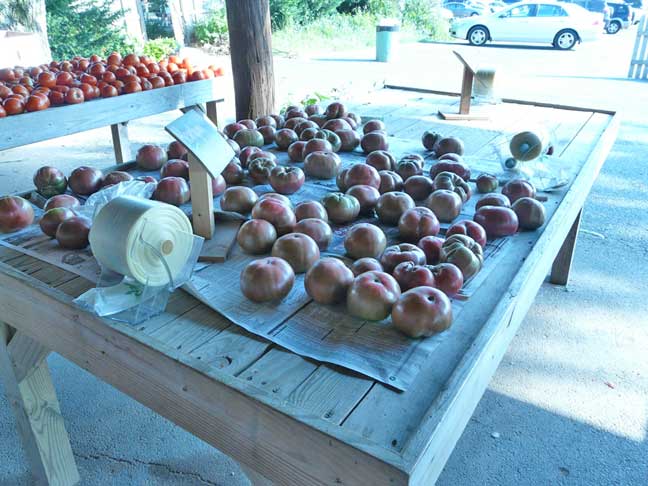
[251,52]
[563,262]
[121,144]
[212,111]
[202,199]
[26,355]
[38,415]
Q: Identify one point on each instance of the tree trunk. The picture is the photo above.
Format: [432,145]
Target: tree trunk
[177,22]
[40,27]
[251,52]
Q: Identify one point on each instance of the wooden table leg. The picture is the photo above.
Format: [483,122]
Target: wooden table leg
[563,261]
[29,389]
[212,111]
[121,144]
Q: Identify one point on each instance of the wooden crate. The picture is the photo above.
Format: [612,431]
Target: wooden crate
[26,128]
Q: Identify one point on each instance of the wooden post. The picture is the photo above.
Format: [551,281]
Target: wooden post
[563,261]
[251,52]
[121,144]
[29,388]
[466,91]
[202,199]
[211,109]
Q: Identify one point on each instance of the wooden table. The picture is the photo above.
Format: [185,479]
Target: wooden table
[288,419]
[26,128]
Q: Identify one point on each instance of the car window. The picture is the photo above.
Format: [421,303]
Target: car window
[520,11]
[551,11]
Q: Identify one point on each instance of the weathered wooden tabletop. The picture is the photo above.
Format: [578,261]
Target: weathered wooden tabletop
[285,418]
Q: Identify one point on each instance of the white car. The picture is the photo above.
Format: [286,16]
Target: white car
[557,23]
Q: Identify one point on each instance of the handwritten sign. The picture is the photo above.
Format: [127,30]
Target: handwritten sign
[203,140]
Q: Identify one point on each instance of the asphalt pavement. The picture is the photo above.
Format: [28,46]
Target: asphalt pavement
[569,403]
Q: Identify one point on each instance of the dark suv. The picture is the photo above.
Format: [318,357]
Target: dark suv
[620,17]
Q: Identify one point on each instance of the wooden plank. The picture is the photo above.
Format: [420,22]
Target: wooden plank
[330,393]
[430,445]
[202,199]
[563,261]
[279,372]
[214,408]
[211,110]
[39,421]
[26,355]
[466,90]
[16,131]
[121,144]
[640,44]
[217,249]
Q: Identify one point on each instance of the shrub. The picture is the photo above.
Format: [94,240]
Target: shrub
[425,17]
[156,29]
[84,27]
[159,48]
[213,29]
[283,12]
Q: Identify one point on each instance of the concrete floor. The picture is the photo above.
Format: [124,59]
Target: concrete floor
[568,404]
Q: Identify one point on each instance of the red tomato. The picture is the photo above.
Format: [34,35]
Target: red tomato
[95,58]
[64,78]
[88,91]
[3,113]
[83,64]
[156,82]
[21,90]
[37,102]
[4,92]
[132,87]
[108,77]
[97,69]
[74,96]
[146,85]
[47,79]
[56,98]
[130,59]
[89,79]
[114,59]
[7,74]
[179,77]
[66,66]
[121,73]
[109,91]
[13,106]
[153,68]
[142,71]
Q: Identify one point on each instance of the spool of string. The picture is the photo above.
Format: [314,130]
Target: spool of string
[146,240]
[529,145]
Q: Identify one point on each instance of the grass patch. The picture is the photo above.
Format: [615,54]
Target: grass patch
[335,33]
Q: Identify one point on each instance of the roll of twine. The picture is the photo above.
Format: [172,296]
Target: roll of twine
[529,145]
[484,84]
[146,240]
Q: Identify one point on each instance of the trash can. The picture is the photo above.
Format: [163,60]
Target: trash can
[387,38]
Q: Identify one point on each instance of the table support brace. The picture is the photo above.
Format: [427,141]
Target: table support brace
[563,261]
[30,391]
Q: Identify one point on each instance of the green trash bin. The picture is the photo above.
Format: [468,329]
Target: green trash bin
[387,38]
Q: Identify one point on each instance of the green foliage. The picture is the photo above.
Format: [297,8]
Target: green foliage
[156,29]
[213,29]
[85,27]
[380,8]
[424,16]
[300,12]
[159,48]
[17,13]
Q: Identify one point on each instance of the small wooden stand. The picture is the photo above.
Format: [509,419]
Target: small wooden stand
[466,95]
[209,153]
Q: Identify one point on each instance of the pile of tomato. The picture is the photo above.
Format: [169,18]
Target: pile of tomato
[80,79]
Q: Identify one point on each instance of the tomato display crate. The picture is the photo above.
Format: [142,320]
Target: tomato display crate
[116,112]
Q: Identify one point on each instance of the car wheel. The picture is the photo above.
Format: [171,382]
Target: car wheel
[474,14]
[478,35]
[565,39]
[613,27]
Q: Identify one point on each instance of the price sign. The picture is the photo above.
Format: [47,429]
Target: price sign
[203,140]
